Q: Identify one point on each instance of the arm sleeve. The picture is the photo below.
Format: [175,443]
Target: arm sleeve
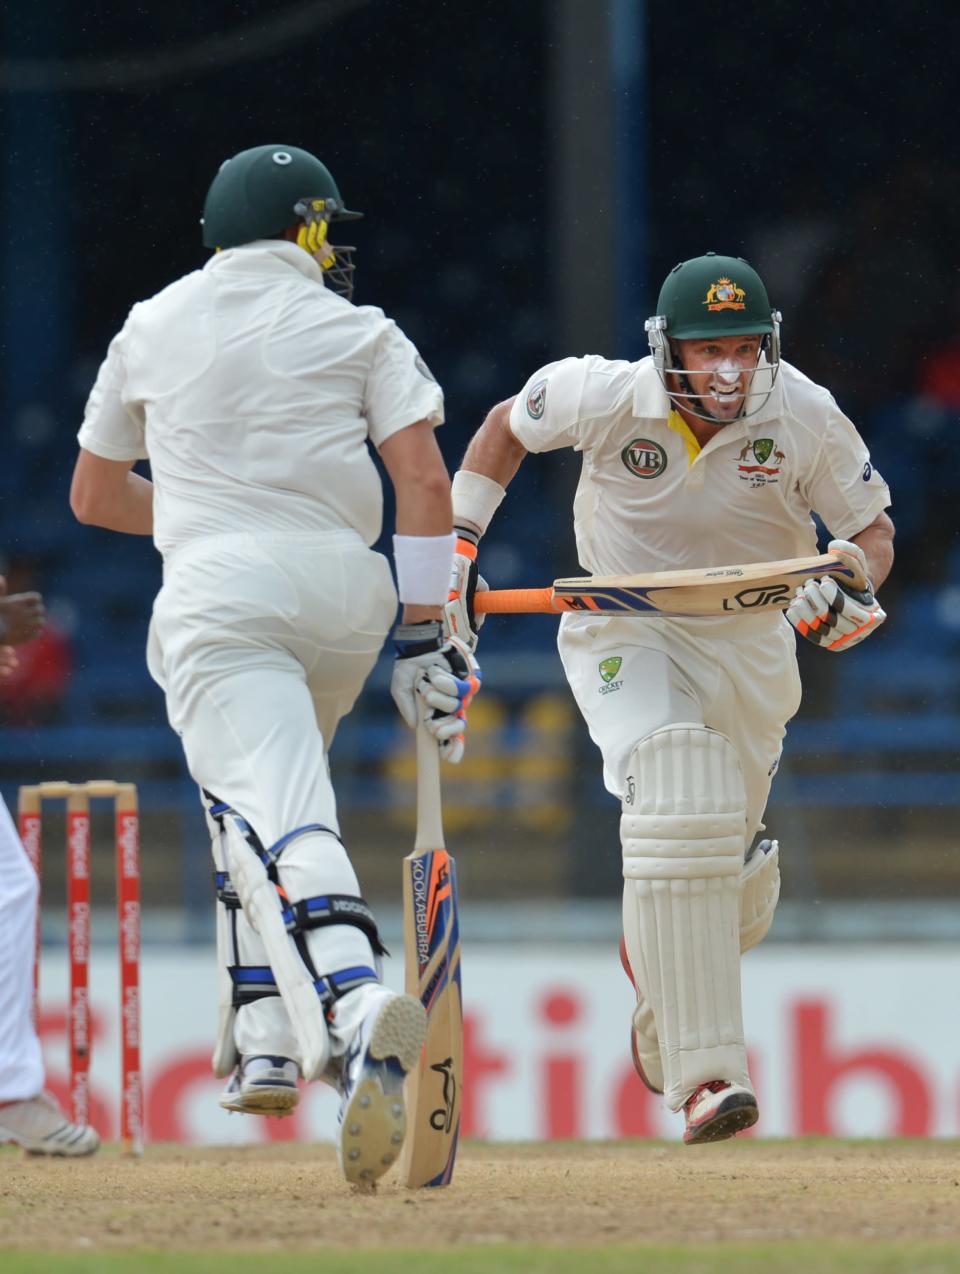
[113,428]
[546,412]
[843,487]
[400,388]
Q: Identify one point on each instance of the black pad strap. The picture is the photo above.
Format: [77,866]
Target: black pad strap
[226,893]
[333,909]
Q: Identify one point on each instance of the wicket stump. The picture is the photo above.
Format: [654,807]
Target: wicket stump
[127,847]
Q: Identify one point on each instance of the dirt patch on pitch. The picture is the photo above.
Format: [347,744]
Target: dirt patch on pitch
[284,1196]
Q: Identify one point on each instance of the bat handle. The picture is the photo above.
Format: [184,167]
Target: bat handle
[848,569]
[429,808]
[515,601]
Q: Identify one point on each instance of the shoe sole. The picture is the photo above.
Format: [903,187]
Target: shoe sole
[374,1123]
[263,1101]
[34,1153]
[734,1115]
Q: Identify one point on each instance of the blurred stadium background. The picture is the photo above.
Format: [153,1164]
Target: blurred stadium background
[529,173]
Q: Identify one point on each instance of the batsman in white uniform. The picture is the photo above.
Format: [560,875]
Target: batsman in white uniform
[29,1116]
[254,386]
[709,452]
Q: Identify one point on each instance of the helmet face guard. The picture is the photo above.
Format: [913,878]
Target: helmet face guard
[708,298]
[335,260]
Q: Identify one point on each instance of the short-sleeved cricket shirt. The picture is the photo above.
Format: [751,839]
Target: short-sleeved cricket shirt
[253,390]
[650,499]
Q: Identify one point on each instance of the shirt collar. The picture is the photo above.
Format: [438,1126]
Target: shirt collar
[266,254]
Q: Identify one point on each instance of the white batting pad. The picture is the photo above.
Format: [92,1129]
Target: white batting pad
[261,906]
[682,833]
[759,893]
[225,1055]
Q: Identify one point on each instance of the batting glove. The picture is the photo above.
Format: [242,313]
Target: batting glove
[460,620]
[437,679]
[832,614]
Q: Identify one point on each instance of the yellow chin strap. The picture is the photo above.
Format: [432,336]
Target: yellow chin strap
[312,235]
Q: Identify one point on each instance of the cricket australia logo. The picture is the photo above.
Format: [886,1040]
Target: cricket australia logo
[537,400]
[608,669]
[761,473]
[725,295]
[643,458]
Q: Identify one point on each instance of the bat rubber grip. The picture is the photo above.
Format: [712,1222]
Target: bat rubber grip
[515,601]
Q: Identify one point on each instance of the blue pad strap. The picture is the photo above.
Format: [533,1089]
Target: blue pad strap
[274,852]
[335,985]
[251,982]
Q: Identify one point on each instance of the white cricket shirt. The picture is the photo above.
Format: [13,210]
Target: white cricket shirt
[253,390]
[650,499]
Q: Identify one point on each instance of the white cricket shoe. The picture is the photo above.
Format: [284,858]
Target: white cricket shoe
[373,1121]
[644,1041]
[262,1085]
[40,1126]
[717,1110]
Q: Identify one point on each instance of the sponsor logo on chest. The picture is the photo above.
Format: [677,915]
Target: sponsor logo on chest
[644,458]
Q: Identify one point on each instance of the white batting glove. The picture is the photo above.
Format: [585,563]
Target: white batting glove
[459,617]
[437,678]
[834,615]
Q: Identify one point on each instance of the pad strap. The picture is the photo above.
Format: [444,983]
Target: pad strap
[256,982]
[333,909]
[251,982]
[335,985]
[225,890]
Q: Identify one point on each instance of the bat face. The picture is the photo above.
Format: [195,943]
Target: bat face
[432,947]
[750,589]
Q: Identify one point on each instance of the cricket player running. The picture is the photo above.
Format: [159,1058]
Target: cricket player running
[253,386]
[712,451]
[29,1115]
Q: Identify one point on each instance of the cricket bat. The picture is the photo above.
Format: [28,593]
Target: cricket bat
[431,935]
[752,589]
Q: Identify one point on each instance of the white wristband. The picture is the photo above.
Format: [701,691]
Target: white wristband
[476,499]
[424,563]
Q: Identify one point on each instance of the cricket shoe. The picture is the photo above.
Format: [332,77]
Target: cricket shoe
[262,1085]
[717,1110]
[373,1121]
[40,1126]
[644,1043]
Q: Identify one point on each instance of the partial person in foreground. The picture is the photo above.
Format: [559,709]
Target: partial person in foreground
[711,451]
[29,1116]
[253,386]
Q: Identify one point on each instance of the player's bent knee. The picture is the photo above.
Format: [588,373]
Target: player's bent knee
[684,806]
[759,893]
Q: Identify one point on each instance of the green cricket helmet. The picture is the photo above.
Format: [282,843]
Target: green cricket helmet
[714,296]
[260,192]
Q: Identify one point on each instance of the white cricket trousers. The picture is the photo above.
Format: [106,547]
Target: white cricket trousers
[21,1066]
[738,676]
[261,644]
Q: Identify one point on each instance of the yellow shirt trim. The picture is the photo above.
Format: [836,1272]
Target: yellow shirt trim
[679,426]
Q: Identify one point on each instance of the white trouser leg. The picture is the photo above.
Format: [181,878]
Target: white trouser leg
[682,835]
[261,648]
[21,1064]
